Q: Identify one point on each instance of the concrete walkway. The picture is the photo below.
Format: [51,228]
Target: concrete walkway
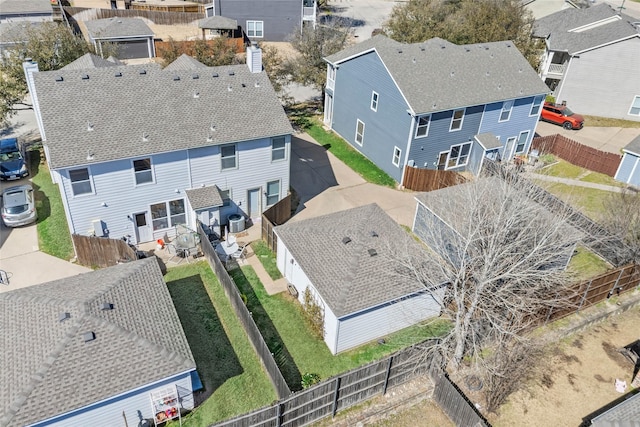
[572,182]
[271,286]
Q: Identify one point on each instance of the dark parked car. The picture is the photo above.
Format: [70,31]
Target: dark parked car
[12,165]
[561,115]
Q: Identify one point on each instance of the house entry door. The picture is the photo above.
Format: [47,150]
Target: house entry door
[328,109]
[143,229]
[442,160]
[253,197]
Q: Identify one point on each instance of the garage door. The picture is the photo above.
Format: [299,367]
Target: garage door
[133,49]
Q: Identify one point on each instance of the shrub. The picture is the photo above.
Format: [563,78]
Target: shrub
[313,313]
[547,159]
[309,379]
[551,99]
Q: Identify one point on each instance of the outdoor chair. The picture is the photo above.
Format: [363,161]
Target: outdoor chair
[240,253]
[171,250]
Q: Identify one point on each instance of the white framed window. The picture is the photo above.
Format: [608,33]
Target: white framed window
[273,192]
[522,141]
[396,156]
[80,181]
[458,155]
[456,119]
[255,29]
[422,129]
[535,107]
[635,106]
[505,113]
[278,149]
[359,132]
[374,101]
[226,197]
[228,157]
[168,214]
[142,171]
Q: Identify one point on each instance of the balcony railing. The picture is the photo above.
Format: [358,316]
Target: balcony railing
[556,69]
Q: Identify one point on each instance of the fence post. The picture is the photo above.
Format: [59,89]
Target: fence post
[584,297]
[334,409]
[615,285]
[386,377]
[279,414]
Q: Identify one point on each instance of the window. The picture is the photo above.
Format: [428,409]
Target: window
[635,106]
[168,214]
[506,111]
[255,29]
[142,171]
[359,132]
[396,156]
[80,181]
[226,197]
[273,192]
[423,126]
[374,101]
[278,149]
[456,120]
[522,141]
[459,155]
[535,108]
[228,156]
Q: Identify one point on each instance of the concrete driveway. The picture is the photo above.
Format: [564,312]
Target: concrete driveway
[326,185]
[609,139]
[363,16]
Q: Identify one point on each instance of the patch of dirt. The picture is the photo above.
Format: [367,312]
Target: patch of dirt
[598,377]
[577,342]
[614,354]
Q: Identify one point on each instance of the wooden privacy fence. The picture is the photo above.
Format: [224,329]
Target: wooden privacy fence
[338,393]
[578,154]
[101,252]
[453,401]
[158,18]
[418,179]
[173,8]
[277,214]
[231,291]
[188,46]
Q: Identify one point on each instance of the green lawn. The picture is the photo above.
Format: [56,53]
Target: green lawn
[267,258]
[587,200]
[600,178]
[280,320]
[562,169]
[228,366]
[343,151]
[53,231]
[585,264]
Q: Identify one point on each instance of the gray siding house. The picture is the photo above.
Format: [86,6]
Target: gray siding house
[426,105]
[136,150]
[351,263]
[92,349]
[269,20]
[132,37]
[629,169]
[592,60]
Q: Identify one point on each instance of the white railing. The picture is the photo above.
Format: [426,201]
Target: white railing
[556,69]
[309,12]
[330,84]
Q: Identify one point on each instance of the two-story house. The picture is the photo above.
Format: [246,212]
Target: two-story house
[137,150]
[592,60]
[433,105]
[266,19]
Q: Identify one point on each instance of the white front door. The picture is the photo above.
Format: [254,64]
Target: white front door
[328,109]
[253,197]
[143,228]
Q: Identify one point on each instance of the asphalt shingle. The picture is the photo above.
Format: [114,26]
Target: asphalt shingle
[117,27]
[89,61]
[205,197]
[22,7]
[634,146]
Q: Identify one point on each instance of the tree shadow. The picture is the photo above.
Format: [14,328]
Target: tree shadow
[340,21]
[215,358]
[271,336]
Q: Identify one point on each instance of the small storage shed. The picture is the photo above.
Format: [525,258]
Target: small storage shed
[352,264]
[629,169]
[132,36]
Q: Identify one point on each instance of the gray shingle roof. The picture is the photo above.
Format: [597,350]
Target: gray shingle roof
[488,140]
[117,27]
[22,7]
[183,63]
[48,369]
[205,197]
[174,109]
[346,276]
[437,75]
[557,28]
[89,60]
[625,414]
[634,146]
[16,32]
[218,23]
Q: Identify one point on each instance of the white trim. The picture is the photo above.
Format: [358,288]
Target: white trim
[412,123]
[524,148]
[284,148]
[355,139]
[635,97]
[375,97]
[437,162]
[558,92]
[458,165]
[93,187]
[604,44]
[266,192]
[235,153]
[135,174]
[255,29]
[595,24]
[502,110]
[633,170]
[453,116]
[509,155]
[393,162]
[417,119]
[539,105]
[170,224]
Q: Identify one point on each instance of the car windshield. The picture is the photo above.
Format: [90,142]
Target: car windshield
[7,157]
[16,209]
[567,112]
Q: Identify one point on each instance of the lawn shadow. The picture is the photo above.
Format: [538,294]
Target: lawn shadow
[215,357]
[42,201]
[271,336]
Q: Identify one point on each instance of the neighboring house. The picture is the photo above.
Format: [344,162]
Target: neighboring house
[25,10]
[15,33]
[264,19]
[351,262]
[91,349]
[629,169]
[625,413]
[541,8]
[124,143]
[592,60]
[132,37]
[426,104]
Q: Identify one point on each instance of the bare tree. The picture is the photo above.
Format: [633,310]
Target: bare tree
[621,217]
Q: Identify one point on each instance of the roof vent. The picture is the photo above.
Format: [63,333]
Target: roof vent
[422,48]
[214,75]
[176,78]
[90,156]
[85,77]
[106,306]
[399,50]
[145,137]
[88,336]
[89,126]
[212,127]
[346,239]
[466,49]
[453,73]
[118,74]
[256,84]
[59,79]
[442,46]
[232,73]
[433,105]
[508,44]
[195,77]
[520,70]
[413,60]
[143,72]
[373,233]
[64,316]
[499,86]
[372,252]
[243,85]
[229,88]
[209,139]
[487,74]
[196,94]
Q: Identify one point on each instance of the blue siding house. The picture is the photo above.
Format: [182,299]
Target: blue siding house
[137,150]
[629,169]
[101,348]
[433,105]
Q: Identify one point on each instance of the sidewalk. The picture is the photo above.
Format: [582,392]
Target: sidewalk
[572,182]
[271,286]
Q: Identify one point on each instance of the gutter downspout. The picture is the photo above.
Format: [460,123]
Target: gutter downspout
[406,154]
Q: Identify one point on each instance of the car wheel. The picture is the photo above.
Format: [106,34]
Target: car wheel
[567,125]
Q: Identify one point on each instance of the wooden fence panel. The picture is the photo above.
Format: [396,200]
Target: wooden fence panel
[101,252]
[156,17]
[309,405]
[418,179]
[454,403]
[276,215]
[578,154]
[362,384]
